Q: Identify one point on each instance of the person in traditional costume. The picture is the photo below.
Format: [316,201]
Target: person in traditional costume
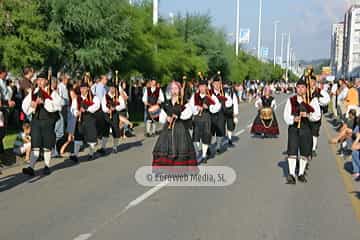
[265,123]
[84,108]
[174,146]
[231,110]
[298,113]
[102,127]
[323,99]
[111,106]
[152,98]
[203,104]
[43,105]
[218,117]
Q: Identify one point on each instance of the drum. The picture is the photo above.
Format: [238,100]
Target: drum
[154,111]
[266,114]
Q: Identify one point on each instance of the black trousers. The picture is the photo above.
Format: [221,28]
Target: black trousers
[218,124]
[300,140]
[112,123]
[42,133]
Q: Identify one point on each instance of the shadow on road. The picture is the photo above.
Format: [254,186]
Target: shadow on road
[9,182]
[284,166]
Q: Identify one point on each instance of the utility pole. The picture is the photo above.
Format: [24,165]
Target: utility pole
[237,27]
[275,40]
[259,30]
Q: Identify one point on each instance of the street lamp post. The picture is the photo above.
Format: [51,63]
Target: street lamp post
[282,49]
[275,40]
[237,27]
[288,57]
[259,30]
[155,12]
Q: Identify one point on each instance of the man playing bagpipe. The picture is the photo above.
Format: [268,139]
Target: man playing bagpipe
[231,110]
[84,108]
[323,99]
[218,117]
[203,104]
[299,112]
[43,104]
[152,98]
[112,105]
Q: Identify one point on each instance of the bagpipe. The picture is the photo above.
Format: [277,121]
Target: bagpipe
[43,94]
[307,76]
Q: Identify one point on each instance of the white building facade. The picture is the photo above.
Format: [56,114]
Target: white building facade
[337,40]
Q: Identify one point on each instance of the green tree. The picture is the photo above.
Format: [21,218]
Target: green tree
[25,36]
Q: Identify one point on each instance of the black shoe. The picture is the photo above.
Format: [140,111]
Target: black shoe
[90,157]
[231,144]
[147,135]
[204,160]
[75,159]
[28,171]
[208,152]
[46,170]
[101,151]
[302,178]
[115,150]
[357,179]
[290,179]
[314,154]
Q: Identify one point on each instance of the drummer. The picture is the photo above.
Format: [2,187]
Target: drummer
[152,98]
[265,123]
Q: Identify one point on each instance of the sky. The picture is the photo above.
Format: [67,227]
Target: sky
[308,21]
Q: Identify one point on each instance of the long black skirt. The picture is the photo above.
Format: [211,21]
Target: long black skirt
[268,127]
[174,147]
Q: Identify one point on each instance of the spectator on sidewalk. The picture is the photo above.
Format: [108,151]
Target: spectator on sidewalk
[342,93]
[22,143]
[356,156]
[351,99]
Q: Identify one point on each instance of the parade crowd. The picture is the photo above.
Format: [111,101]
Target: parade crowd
[58,114]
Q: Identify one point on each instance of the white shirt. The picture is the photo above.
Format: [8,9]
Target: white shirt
[63,92]
[314,116]
[212,108]
[161,98]
[51,105]
[121,106]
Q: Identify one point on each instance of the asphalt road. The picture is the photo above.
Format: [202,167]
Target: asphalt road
[101,199]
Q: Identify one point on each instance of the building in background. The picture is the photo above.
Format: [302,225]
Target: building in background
[351,42]
[337,39]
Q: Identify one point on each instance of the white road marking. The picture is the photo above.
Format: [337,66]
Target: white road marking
[137,201]
[240,132]
[83,236]
[146,195]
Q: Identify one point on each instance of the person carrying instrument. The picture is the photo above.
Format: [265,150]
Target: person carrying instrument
[100,90]
[174,146]
[153,96]
[298,114]
[218,118]
[265,123]
[111,106]
[203,104]
[43,104]
[84,108]
[231,110]
[323,99]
